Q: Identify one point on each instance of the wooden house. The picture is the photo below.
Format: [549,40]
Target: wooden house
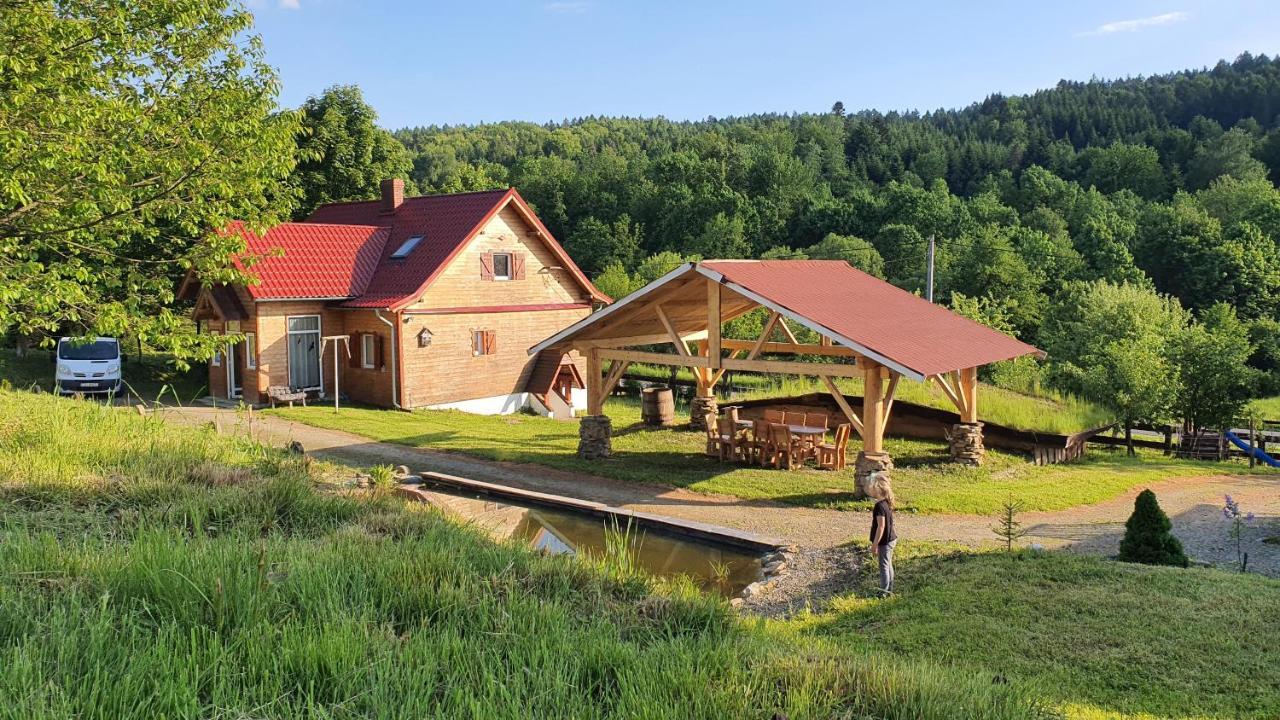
[430,302]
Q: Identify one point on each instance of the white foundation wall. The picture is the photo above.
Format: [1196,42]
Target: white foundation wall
[496,405]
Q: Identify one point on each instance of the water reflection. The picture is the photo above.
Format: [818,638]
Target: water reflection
[712,567]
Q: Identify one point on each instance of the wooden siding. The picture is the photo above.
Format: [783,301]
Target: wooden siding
[371,386]
[448,370]
[460,283]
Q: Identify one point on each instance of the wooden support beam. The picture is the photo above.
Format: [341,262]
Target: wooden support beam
[715,377]
[843,403]
[764,336]
[790,348]
[792,367]
[649,357]
[873,410]
[615,374]
[714,322]
[950,392]
[969,388]
[888,396]
[582,345]
[595,398]
[786,330]
[671,331]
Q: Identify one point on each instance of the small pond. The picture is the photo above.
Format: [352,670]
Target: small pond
[712,566]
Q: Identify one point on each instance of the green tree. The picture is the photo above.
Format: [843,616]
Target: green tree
[853,250]
[1228,155]
[129,132]
[722,237]
[342,153]
[595,244]
[616,282]
[1123,166]
[1148,536]
[1212,359]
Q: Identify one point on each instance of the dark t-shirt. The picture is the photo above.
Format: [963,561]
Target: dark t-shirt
[883,513]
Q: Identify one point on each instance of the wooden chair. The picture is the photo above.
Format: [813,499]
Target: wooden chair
[831,456]
[283,393]
[773,416]
[782,449]
[758,446]
[818,420]
[733,439]
[713,436]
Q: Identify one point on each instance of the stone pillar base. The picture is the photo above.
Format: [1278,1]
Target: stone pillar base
[698,409]
[595,433]
[966,444]
[864,466]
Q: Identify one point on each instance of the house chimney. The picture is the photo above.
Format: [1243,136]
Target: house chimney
[392,194]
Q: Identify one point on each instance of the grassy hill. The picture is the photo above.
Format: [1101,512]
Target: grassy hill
[151,571]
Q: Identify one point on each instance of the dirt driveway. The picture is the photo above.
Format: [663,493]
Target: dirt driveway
[1193,503]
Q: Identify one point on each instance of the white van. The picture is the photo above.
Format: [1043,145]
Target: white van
[89,366]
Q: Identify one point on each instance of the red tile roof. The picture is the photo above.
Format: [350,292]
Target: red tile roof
[305,260]
[446,223]
[885,320]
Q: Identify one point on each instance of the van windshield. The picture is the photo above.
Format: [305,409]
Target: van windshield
[96,350]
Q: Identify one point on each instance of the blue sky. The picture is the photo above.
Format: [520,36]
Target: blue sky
[428,62]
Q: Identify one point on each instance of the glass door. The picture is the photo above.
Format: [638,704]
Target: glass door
[304,352]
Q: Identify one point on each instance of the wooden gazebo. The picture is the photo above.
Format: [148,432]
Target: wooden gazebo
[868,328]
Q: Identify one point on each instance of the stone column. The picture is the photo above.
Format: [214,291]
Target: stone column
[698,409]
[966,443]
[864,466]
[595,433]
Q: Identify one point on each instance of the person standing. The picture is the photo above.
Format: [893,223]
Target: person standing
[883,537]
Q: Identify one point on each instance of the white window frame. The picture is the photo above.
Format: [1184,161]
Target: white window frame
[477,343]
[368,351]
[319,331]
[251,351]
[496,274]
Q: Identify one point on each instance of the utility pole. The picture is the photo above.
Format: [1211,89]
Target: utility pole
[929,271]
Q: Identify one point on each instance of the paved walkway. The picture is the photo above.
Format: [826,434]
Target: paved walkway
[1193,503]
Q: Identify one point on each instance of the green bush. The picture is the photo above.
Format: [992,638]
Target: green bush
[1147,537]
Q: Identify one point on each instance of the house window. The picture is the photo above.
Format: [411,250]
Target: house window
[483,342]
[250,351]
[368,351]
[502,266]
[217,358]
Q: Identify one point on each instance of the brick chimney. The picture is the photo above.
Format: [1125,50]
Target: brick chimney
[392,194]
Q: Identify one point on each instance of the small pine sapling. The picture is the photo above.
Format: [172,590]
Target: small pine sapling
[1147,535]
[1007,526]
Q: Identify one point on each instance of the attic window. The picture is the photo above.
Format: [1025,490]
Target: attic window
[406,248]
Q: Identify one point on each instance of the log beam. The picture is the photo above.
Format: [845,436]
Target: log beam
[792,367]
[595,398]
[654,358]
[616,371]
[873,410]
[843,403]
[969,389]
[673,336]
[778,348]
[714,322]
[786,330]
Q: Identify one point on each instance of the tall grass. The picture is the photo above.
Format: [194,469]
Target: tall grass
[151,571]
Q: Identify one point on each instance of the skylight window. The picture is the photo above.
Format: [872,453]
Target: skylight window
[406,248]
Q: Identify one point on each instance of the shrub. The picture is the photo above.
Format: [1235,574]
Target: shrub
[1147,536]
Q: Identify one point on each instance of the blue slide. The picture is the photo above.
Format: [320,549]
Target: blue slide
[1235,440]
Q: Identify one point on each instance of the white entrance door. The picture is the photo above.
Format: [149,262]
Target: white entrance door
[304,352]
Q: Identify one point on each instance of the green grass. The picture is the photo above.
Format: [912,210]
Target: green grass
[1101,637]
[1267,408]
[152,571]
[924,479]
[150,377]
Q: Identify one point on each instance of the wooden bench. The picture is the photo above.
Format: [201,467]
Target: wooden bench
[282,393]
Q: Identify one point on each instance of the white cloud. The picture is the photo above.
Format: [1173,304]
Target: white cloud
[1138,24]
[567,6]
[289,5]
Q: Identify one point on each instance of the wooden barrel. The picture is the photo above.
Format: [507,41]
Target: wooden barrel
[657,406]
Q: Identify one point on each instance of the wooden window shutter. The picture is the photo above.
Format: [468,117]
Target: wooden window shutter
[490,342]
[517,266]
[354,347]
[381,352]
[486,266]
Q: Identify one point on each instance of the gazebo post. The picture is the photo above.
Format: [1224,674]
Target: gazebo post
[873,458]
[966,436]
[704,399]
[595,431]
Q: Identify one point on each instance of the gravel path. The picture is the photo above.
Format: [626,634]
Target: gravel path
[1193,503]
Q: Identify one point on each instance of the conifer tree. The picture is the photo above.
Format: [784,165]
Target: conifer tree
[1147,536]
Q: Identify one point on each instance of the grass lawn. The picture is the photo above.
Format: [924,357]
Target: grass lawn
[1104,638]
[924,479]
[148,571]
[149,376]
[1268,408]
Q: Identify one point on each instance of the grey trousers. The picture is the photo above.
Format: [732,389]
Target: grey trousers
[886,566]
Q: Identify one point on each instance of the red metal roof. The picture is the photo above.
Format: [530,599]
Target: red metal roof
[306,260]
[889,323]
